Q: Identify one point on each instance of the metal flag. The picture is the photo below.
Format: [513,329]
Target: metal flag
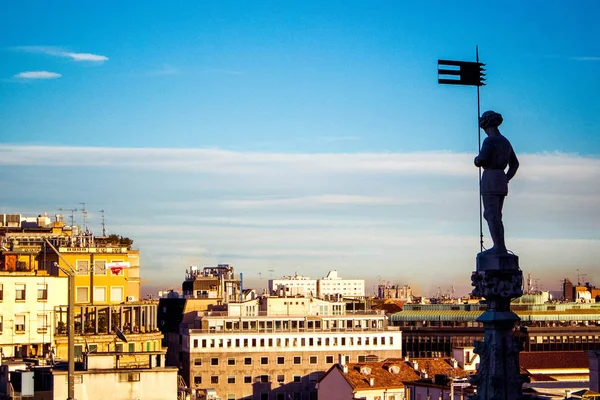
[468,73]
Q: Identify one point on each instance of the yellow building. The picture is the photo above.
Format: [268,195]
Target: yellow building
[107,281]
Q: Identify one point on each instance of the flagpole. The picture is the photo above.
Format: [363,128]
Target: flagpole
[479,150]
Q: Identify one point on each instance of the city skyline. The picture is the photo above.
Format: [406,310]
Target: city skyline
[305,137]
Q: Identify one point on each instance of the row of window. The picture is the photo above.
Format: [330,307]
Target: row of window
[280,378]
[19,323]
[117,294]
[82,267]
[21,291]
[279,360]
[295,324]
[294,342]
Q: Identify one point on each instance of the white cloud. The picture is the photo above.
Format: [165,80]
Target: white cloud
[586,58]
[409,217]
[37,75]
[58,52]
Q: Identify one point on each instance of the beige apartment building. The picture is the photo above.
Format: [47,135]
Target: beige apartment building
[277,347]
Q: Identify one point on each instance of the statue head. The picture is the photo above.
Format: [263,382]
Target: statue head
[490,119]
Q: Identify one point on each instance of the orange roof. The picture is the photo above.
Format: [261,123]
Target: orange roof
[554,359]
[382,372]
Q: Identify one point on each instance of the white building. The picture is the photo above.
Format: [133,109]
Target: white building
[27,303]
[293,285]
[331,286]
[278,347]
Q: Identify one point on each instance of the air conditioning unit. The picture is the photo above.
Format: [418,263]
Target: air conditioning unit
[130,298]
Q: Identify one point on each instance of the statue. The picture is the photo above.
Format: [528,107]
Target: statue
[495,155]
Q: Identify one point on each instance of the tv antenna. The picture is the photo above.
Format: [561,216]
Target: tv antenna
[271,273]
[72,211]
[84,214]
[103,224]
[580,277]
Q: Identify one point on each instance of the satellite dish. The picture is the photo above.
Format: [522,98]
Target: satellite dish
[120,335]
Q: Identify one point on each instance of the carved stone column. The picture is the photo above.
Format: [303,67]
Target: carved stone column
[499,280]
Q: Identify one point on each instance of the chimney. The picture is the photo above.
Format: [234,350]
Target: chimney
[371,382]
[341,359]
[454,363]
[415,365]
[567,394]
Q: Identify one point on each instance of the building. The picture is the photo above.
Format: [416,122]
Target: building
[433,330]
[556,372]
[212,283]
[392,379]
[27,303]
[277,347]
[101,376]
[34,253]
[398,292]
[329,287]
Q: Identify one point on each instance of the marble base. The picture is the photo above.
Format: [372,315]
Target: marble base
[497,262]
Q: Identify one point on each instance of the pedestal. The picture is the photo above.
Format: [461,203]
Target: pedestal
[499,280]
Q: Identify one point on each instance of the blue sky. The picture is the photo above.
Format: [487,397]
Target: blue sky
[304,136]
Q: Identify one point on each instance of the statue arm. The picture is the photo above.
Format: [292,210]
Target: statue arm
[513,165]
[484,154]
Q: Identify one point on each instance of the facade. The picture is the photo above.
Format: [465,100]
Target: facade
[34,293]
[106,376]
[27,303]
[277,347]
[293,285]
[433,330]
[330,287]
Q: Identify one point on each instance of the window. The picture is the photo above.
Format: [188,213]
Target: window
[129,377]
[42,293]
[231,361]
[214,361]
[20,291]
[230,396]
[264,379]
[131,347]
[100,267]
[195,343]
[42,322]
[214,379]
[280,378]
[1,292]
[297,378]
[100,294]
[362,358]
[19,323]
[280,360]
[264,360]
[82,267]
[116,294]
[297,360]
[83,294]
[248,361]
[247,379]
[93,348]
[197,361]
[1,323]
[312,359]
[197,380]
[231,379]
[264,396]
[119,347]
[329,359]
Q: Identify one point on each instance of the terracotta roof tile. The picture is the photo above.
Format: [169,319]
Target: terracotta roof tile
[554,359]
[392,372]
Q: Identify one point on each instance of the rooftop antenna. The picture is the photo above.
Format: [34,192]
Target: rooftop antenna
[72,210]
[580,277]
[103,224]
[84,214]
[271,273]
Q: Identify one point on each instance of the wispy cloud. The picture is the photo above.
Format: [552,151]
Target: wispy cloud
[586,58]
[37,75]
[395,213]
[59,52]
[165,70]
